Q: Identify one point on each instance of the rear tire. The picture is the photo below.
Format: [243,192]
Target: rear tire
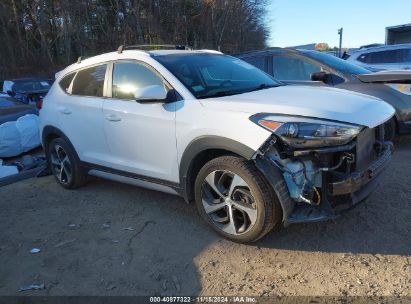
[65,164]
[235,200]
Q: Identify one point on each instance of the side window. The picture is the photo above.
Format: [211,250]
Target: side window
[293,68]
[90,81]
[364,58]
[257,61]
[405,55]
[391,56]
[128,77]
[385,57]
[66,81]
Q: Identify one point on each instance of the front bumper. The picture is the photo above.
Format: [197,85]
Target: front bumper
[338,195]
[358,180]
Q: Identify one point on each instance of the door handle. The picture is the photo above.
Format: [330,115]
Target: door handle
[65,110]
[112,117]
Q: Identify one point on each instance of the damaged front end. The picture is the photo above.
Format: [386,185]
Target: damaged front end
[319,182]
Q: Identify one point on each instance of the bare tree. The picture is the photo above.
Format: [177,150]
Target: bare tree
[42,36]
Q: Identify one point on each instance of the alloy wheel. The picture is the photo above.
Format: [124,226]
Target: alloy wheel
[228,202]
[60,164]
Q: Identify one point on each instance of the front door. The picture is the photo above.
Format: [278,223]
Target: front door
[141,136]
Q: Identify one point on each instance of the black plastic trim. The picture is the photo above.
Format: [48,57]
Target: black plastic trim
[50,130]
[276,180]
[173,185]
[205,143]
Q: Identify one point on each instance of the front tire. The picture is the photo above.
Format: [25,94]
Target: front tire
[235,200]
[65,164]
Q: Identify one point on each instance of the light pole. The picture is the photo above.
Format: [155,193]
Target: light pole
[340,32]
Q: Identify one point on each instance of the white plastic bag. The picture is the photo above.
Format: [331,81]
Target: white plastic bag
[19,136]
[28,127]
[10,144]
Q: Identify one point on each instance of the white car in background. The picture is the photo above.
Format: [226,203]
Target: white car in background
[251,152]
[383,57]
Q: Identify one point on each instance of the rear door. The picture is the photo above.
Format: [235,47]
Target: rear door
[81,113]
[141,136]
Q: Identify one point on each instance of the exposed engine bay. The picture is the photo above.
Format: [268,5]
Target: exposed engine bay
[323,182]
[303,176]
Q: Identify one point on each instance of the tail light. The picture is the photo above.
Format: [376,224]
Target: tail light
[39,102]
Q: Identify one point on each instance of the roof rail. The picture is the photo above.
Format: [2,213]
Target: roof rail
[267,49]
[367,46]
[273,48]
[81,58]
[287,48]
[150,47]
[210,51]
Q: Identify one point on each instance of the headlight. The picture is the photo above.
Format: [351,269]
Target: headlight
[402,88]
[299,132]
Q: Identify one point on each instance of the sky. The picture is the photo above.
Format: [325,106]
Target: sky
[297,22]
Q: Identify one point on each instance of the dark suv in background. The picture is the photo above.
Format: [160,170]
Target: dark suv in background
[313,68]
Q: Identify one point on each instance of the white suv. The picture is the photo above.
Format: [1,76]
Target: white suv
[251,152]
[383,57]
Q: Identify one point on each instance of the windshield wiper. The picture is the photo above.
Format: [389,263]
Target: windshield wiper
[219,94]
[229,93]
[262,87]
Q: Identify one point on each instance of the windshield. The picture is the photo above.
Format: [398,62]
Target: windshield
[211,75]
[31,85]
[336,63]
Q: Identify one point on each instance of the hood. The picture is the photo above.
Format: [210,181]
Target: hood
[317,102]
[387,76]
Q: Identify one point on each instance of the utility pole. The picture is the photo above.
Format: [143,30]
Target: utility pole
[340,32]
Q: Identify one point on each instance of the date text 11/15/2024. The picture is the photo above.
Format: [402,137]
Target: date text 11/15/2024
[203,299]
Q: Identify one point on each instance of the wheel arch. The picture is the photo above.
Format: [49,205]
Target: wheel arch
[49,133]
[200,151]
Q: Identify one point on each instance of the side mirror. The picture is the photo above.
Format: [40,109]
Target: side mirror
[150,94]
[11,93]
[320,76]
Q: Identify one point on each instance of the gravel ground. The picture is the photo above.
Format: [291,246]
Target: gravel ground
[114,239]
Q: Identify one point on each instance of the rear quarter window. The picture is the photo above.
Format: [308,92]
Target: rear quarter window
[66,82]
[90,81]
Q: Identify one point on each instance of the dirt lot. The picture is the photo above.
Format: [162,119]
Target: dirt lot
[114,239]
